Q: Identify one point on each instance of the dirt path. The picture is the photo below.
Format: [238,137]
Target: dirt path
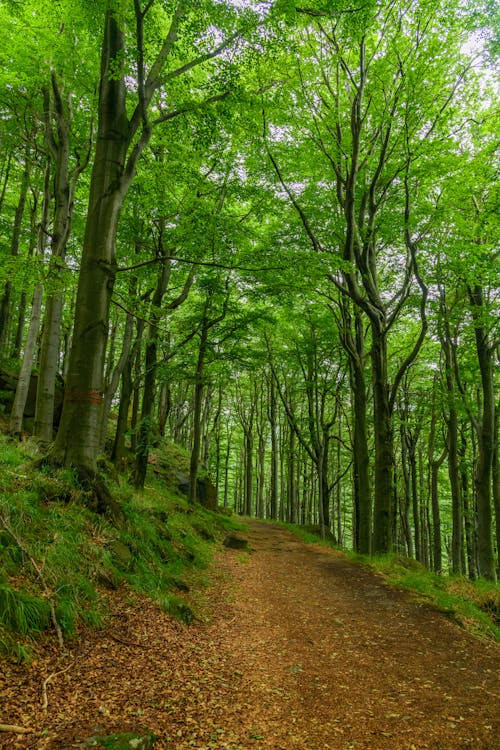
[303,651]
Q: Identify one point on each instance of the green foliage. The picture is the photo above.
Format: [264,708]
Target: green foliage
[80,554]
[21,611]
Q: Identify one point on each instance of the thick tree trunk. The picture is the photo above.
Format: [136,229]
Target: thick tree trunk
[78,438]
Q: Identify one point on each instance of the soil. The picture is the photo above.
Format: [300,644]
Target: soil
[301,650]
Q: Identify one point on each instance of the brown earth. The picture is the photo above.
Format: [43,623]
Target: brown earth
[303,650]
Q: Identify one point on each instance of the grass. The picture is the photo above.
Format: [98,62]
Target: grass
[475,605]
[45,525]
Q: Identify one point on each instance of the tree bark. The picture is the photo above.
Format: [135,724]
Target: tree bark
[78,437]
[23,383]
[5,302]
[384,448]
[486,438]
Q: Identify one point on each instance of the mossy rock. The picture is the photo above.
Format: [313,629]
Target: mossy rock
[127,741]
[122,554]
[232,541]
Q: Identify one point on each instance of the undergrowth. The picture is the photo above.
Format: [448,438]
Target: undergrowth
[475,605]
[54,549]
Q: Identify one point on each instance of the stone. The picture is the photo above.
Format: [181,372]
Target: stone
[235,542]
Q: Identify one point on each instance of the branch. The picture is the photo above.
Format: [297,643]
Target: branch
[191,107]
[45,700]
[148,86]
[423,299]
[202,58]
[305,222]
[183,295]
[201,263]
[328,13]
[15,729]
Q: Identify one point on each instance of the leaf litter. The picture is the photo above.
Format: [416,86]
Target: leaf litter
[298,649]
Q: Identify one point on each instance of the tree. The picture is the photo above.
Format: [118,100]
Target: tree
[121,139]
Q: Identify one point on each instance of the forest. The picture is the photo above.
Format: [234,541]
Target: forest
[267,233]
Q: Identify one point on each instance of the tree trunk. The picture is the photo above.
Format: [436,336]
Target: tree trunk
[23,383]
[197,407]
[78,438]
[384,449]
[5,302]
[273,500]
[148,400]
[64,187]
[486,438]
[248,471]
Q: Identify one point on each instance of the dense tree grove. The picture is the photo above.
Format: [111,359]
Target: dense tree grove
[268,233]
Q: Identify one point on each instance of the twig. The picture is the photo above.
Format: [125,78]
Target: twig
[45,701]
[126,643]
[15,729]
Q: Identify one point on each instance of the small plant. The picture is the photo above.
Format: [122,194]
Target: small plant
[21,611]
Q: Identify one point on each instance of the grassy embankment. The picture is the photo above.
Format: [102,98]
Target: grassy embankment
[475,605]
[58,559]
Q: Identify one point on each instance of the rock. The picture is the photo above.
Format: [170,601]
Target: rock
[235,542]
[205,490]
[122,554]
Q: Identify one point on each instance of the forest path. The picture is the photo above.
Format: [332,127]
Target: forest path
[304,650]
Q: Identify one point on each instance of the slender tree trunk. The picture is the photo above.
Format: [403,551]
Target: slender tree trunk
[274,493]
[486,439]
[114,380]
[226,471]
[197,407]
[5,301]
[384,449]
[63,194]
[148,396]
[447,345]
[23,383]
[248,471]
[419,544]
[406,502]
[496,485]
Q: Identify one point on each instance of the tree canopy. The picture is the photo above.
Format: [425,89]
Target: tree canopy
[267,231]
